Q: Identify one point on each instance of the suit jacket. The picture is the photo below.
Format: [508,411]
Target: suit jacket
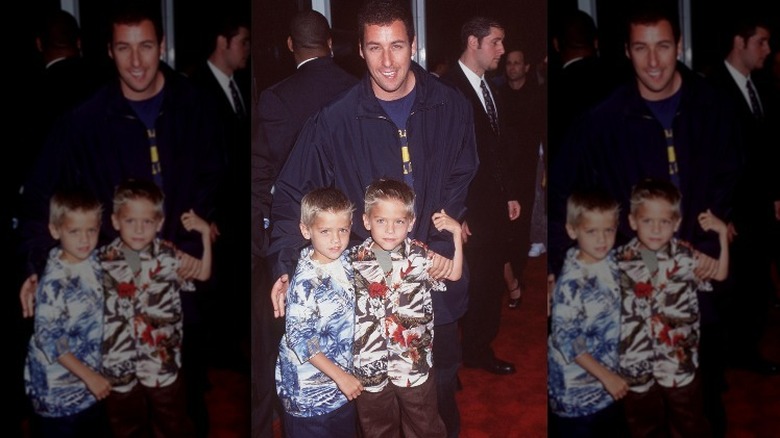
[759,153]
[492,187]
[234,133]
[280,114]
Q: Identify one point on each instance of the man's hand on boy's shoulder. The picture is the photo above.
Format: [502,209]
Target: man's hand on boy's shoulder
[279,293]
[27,295]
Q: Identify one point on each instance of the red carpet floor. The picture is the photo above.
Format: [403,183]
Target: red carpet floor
[514,405]
[753,401]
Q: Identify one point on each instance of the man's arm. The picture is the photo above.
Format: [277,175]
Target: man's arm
[457,182]
[566,174]
[48,174]
[307,168]
[272,138]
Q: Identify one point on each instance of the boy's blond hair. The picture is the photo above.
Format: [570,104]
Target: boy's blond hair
[69,201]
[389,189]
[135,189]
[324,199]
[649,188]
[586,201]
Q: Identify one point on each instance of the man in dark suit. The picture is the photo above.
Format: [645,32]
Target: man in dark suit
[756,193]
[279,116]
[220,79]
[490,204]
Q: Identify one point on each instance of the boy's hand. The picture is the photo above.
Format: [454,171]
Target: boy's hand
[615,386]
[192,221]
[278,295]
[98,386]
[710,222]
[441,267]
[443,222]
[27,295]
[350,386]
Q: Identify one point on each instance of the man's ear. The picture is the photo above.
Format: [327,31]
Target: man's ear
[473,42]
[414,46]
[110,52]
[289,44]
[162,48]
[738,42]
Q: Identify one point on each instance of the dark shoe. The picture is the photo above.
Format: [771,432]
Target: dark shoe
[495,366]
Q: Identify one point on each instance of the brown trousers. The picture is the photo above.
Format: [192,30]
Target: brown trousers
[667,412]
[150,412]
[414,410]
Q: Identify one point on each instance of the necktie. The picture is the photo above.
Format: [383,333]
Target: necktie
[754,105]
[237,104]
[491,109]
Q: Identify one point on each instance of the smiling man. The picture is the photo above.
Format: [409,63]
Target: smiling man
[149,123]
[399,122]
[665,123]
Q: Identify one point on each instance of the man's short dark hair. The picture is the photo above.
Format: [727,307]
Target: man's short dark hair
[227,25]
[575,30]
[478,27]
[309,30]
[133,13]
[59,30]
[649,13]
[745,25]
[384,13]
